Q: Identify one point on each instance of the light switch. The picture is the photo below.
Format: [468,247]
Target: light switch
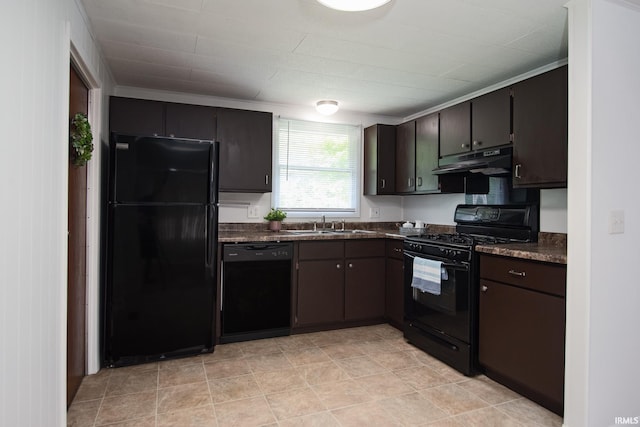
[616,222]
[253,211]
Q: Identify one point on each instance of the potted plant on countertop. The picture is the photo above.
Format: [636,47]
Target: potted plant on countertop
[275,217]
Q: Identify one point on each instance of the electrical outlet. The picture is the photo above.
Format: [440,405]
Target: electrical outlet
[616,222]
[374,212]
[253,211]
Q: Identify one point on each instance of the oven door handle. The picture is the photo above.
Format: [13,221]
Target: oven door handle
[460,266]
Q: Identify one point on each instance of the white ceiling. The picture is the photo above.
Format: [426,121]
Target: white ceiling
[402,58]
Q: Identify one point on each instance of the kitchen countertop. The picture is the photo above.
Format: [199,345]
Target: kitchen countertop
[551,247]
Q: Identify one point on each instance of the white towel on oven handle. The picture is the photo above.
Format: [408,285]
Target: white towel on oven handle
[427,275]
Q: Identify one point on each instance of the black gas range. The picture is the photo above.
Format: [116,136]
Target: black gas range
[441,279]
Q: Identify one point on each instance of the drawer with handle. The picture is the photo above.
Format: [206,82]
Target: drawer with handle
[542,277]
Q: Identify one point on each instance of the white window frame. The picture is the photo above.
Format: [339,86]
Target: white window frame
[356,150]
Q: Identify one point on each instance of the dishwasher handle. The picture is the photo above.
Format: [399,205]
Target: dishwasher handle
[248,252]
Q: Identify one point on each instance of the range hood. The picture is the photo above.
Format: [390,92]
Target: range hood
[493,161]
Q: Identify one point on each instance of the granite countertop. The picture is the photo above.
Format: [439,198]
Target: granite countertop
[551,247]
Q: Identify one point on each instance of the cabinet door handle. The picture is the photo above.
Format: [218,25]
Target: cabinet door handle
[483,288]
[384,183]
[338,266]
[350,265]
[397,249]
[409,181]
[172,135]
[516,172]
[419,181]
[518,273]
[266,179]
[477,143]
[464,146]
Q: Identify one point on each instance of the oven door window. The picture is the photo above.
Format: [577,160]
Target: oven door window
[447,312]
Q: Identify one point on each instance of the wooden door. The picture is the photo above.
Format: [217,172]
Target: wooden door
[540,130]
[406,157]
[455,129]
[76,262]
[245,150]
[491,119]
[427,132]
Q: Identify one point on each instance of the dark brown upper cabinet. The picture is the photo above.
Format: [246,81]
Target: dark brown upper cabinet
[427,131]
[491,119]
[406,157]
[379,159]
[540,130]
[245,150]
[455,129]
[136,116]
[153,118]
[190,121]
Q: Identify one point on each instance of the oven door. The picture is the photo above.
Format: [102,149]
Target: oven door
[448,312]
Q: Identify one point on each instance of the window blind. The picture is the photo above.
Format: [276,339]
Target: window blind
[317,167]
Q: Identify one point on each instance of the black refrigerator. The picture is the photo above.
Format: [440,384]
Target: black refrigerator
[160,286]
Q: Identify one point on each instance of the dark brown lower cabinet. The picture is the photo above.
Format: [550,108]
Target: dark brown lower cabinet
[394,292]
[340,281]
[522,327]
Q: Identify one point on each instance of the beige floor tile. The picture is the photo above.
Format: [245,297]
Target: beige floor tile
[83,413]
[294,403]
[529,413]
[384,330]
[340,394]
[420,377]
[361,334]
[183,361]
[364,415]
[184,396]
[486,417]
[453,399]
[203,416]
[379,346]
[226,368]
[447,422]
[488,390]
[181,374]
[304,356]
[138,422]
[233,388]
[360,366]
[395,360]
[383,385]
[319,373]
[246,413]
[294,342]
[277,381]
[92,387]
[126,407]
[343,351]
[268,362]
[412,409]
[321,419]
[223,351]
[132,382]
[450,374]
[324,338]
[259,347]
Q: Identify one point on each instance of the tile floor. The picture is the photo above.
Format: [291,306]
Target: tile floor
[365,376]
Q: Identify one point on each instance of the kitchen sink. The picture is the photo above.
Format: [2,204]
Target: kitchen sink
[300,232]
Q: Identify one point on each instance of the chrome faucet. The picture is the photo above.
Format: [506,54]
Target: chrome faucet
[323,222]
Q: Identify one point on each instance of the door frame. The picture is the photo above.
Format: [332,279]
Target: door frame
[92,339]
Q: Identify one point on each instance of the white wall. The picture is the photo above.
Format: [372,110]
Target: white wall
[34,83]
[603,295]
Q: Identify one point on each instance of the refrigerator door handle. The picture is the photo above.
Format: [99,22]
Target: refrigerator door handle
[209,236]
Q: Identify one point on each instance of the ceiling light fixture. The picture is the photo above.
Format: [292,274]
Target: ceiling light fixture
[353,5]
[327,107]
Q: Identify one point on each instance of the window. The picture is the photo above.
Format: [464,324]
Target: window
[317,168]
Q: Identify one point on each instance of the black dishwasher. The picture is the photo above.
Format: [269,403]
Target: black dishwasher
[256,291]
